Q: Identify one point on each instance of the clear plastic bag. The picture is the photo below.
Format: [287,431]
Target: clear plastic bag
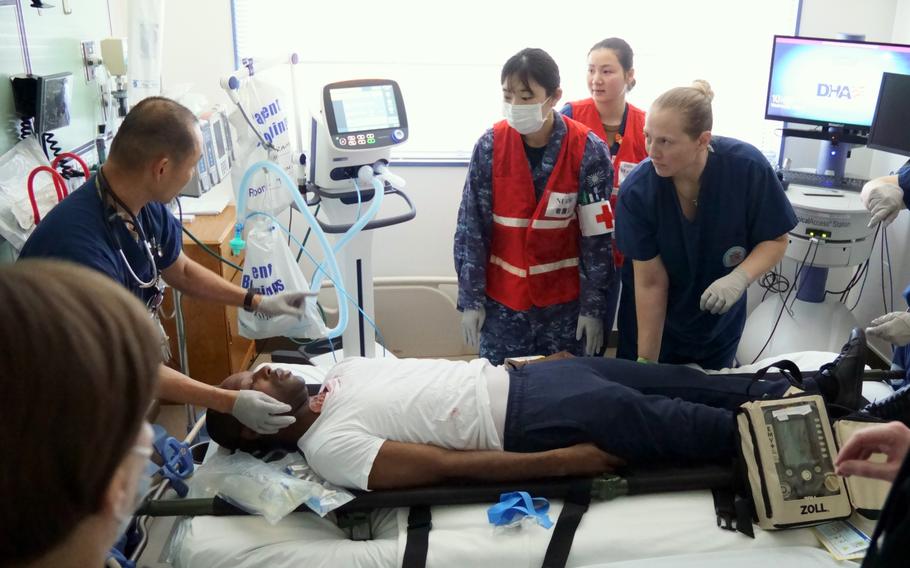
[265,106]
[261,488]
[329,498]
[16,219]
[270,268]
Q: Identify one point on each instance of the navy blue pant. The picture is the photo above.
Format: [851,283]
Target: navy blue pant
[612,295]
[538,331]
[719,354]
[641,413]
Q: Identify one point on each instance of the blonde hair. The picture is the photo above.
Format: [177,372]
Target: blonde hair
[693,103]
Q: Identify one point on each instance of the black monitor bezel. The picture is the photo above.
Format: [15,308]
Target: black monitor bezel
[41,92]
[863,128]
[330,109]
[870,143]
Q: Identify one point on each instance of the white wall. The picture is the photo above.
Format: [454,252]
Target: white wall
[198,51]
[198,44]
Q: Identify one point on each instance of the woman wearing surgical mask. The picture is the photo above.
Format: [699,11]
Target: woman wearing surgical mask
[533,240]
[700,219]
[619,124]
[77,378]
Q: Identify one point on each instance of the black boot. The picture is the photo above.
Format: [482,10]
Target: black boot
[893,407]
[841,381]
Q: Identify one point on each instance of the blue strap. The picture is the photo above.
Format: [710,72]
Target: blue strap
[177,457]
[517,505]
[122,561]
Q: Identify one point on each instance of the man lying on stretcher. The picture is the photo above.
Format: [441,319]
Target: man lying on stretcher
[394,423]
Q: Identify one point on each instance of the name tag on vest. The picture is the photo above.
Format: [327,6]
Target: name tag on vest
[561,205]
[625,168]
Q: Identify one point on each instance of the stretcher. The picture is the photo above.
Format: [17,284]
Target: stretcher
[647,525]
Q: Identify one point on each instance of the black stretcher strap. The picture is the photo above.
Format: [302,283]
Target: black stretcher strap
[419,525]
[573,509]
[734,513]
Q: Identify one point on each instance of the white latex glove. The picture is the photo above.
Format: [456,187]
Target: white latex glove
[893,328]
[884,200]
[720,296]
[284,304]
[471,323]
[257,411]
[593,330]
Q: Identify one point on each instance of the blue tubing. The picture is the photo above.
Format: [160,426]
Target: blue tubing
[320,234]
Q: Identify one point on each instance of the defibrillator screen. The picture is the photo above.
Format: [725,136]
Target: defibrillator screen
[371,107]
[794,441]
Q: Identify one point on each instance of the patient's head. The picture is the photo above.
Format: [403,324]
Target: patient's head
[79,362]
[281,385]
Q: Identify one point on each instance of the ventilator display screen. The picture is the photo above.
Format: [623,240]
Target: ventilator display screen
[829,82]
[371,107]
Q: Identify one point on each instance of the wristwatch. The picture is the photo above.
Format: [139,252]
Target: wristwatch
[248,300]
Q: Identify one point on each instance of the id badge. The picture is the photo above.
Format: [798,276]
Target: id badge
[625,168]
[561,205]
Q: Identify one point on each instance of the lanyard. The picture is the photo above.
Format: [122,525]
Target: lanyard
[104,190]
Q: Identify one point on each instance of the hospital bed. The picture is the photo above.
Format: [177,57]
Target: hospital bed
[668,529]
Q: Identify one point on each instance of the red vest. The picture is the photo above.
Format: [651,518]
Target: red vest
[631,151]
[534,250]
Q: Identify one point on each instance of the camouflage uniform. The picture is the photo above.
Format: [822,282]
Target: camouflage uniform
[538,331]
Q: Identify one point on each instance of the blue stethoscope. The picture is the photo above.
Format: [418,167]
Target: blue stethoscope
[148,247]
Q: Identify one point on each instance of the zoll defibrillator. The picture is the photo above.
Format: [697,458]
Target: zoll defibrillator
[788,450]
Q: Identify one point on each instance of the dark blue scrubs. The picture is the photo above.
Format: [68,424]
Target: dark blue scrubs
[901,358]
[740,204]
[903,180]
[77,229]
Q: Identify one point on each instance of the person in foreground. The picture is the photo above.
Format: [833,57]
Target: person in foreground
[390,423]
[889,546]
[118,223]
[78,376]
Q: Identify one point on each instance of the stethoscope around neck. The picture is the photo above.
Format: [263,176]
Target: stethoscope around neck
[144,244]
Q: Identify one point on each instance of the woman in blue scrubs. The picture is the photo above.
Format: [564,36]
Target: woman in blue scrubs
[701,218]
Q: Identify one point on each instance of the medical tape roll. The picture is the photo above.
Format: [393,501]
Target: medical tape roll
[788,451]
[867,495]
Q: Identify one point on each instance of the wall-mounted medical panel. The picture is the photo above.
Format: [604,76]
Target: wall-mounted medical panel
[54,43]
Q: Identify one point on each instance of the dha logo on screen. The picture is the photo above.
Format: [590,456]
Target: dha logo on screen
[832,91]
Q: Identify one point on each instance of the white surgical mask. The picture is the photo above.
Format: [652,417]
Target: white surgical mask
[526,119]
[143,485]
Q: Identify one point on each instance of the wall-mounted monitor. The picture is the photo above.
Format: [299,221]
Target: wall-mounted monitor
[45,98]
[830,82]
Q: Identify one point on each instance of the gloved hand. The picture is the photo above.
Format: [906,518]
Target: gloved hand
[884,200]
[257,411]
[893,328]
[720,296]
[593,330]
[471,324]
[284,304]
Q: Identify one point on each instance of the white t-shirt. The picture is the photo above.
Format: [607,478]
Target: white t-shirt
[428,401]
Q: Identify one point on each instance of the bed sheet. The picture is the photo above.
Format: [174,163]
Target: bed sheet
[630,528]
[790,557]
